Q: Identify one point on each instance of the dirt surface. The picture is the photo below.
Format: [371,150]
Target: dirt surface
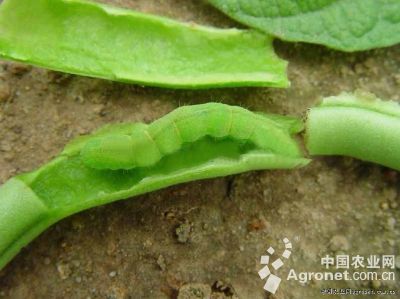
[203,238]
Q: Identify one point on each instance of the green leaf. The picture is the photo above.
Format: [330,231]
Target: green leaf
[92,39]
[347,25]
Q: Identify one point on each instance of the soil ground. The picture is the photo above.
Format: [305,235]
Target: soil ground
[203,237]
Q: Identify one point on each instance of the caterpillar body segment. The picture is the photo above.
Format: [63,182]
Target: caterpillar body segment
[145,145]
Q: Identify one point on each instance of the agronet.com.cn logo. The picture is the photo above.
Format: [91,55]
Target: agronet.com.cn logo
[272,280]
[341,267]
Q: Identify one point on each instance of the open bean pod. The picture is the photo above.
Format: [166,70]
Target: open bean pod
[125,160]
[96,40]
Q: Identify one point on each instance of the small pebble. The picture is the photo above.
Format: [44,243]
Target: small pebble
[339,242]
[112,274]
[195,291]
[391,223]
[161,263]
[183,232]
[384,205]
[147,243]
[99,109]
[64,270]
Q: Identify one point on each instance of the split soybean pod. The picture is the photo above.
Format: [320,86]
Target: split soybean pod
[358,125]
[124,160]
[191,143]
[97,40]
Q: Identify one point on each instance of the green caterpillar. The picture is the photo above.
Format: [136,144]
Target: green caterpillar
[145,145]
